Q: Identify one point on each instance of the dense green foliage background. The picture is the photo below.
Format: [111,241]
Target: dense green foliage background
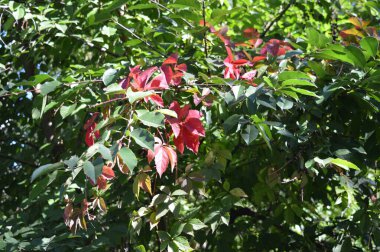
[283,165]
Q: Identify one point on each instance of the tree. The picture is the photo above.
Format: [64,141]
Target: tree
[189,125]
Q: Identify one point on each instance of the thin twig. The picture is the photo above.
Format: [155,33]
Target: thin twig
[10,93]
[277,18]
[109,101]
[282,167]
[18,93]
[5,45]
[165,8]
[96,47]
[205,33]
[139,38]
[18,160]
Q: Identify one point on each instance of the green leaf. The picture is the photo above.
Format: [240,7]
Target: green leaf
[344,164]
[134,96]
[304,92]
[284,103]
[168,112]
[139,248]
[293,75]
[110,76]
[182,243]
[249,134]
[42,170]
[114,88]
[89,170]
[238,192]
[357,56]
[36,79]
[164,239]
[297,82]
[143,138]
[176,228]
[230,124]
[179,192]
[317,39]
[65,111]
[72,162]
[61,27]
[19,12]
[152,119]
[142,6]
[317,68]
[370,45]
[128,158]
[98,148]
[49,87]
[197,224]
[349,54]
[108,31]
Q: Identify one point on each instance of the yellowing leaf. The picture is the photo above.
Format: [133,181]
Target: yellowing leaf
[238,192]
[102,204]
[354,32]
[358,22]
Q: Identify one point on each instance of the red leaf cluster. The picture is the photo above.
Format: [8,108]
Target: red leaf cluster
[170,74]
[275,47]
[187,128]
[91,134]
[234,63]
[173,72]
[162,155]
[107,174]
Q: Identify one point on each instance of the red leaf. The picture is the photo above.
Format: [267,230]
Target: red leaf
[181,67]
[186,128]
[171,60]
[172,156]
[174,123]
[258,58]
[161,159]
[91,136]
[158,82]
[124,83]
[143,78]
[195,127]
[155,98]
[239,62]
[191,141]
[107,172]
[275,47]
[179,143]
[251,33]
[168,72]
[249,75]
[101,182]
[172,72]
[91,121]
[150,156]
[207,101]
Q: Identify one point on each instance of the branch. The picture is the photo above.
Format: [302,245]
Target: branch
[106,102]
[97,47]
[139,38]
[277,18]
[37,90]
[204,35]
[18,160]
[165,8]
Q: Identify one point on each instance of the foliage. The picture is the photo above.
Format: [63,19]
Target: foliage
[189,125]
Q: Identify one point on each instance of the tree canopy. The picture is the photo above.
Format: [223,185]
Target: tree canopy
[181,125]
